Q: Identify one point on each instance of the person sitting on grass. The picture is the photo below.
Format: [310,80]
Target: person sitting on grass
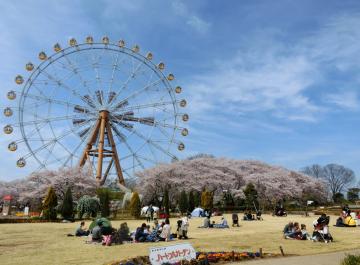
[96,234]
[140,235]
[248,216]
[121,235]
[206,223]
[296,232]
[223,223]
[156,225]
[166,231]
[288,229]
[304,233]
[82,230]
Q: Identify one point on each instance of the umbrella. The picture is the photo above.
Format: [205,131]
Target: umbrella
[105,222]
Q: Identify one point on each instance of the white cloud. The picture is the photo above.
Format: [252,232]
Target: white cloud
[347,100]
[267,75]
[198,24]
[193,20]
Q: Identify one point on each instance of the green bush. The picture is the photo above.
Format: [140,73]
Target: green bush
[49,205]
[207,200]
[104,197]
[135,205]
[183,202]
[67,207]
[351,260]
[191,201]
[88,205]
[251,196]
[166,202]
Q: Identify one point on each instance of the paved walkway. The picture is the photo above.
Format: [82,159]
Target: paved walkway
[321,259]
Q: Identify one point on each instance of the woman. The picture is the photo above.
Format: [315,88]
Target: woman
[82,230]
[166,231]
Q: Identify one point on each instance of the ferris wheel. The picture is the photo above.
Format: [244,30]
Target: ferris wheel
[97,103]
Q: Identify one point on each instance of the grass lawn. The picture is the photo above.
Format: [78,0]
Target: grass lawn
[47,243]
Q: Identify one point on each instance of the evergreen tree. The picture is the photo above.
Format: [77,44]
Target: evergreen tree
[49,205]
[191,200]
[197,199]
[166,202]
[135,205]
[207,200]
[104,197]
[353,194]
[251,196]
[67,208]
[183,202]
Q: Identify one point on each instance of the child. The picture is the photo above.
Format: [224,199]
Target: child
[304,234]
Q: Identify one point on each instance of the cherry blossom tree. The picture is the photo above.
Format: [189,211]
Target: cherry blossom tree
[35,186]
[221,174]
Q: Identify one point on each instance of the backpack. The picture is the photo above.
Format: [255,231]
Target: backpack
[106,240]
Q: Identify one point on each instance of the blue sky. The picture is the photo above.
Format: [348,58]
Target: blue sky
[276,81]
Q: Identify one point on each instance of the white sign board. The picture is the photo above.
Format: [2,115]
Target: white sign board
[172,254]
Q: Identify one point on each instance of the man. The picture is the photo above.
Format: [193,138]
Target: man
[140,235]
[96,234]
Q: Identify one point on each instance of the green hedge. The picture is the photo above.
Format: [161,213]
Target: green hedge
[351,260]
[26,220]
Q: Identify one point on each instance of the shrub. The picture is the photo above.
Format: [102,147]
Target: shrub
[207,200]
[104,197]
[183,202]
[191,200]
[88,205]
[135,205]
[67,207]
[166,202]
[251,196]
[351,260]
[49,205]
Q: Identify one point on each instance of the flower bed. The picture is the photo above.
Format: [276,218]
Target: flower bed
[202,258]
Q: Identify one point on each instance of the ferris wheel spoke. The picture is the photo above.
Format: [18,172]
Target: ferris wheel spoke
[147,159]
[95,65]
[83,138]
[149,105]
[61,84]
[50,150]
[122,139]
[126,83]
[55,140]
[48,120]
[136,93]
[114,67]
[76,71]
[150,142]
[49,100]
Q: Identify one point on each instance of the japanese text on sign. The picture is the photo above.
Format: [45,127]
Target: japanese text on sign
[171,254]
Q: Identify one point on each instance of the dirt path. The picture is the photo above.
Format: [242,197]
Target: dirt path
[320,259]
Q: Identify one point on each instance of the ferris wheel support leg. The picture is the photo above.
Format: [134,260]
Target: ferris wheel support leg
[115,155]
[90,143]
[104,116]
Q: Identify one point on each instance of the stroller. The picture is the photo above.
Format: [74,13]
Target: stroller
[321,230]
